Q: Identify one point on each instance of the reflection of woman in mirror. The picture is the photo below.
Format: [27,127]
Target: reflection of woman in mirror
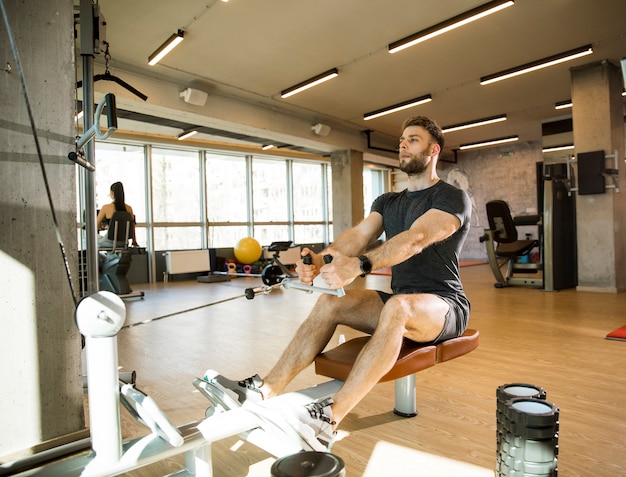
[460,179]
[118,204]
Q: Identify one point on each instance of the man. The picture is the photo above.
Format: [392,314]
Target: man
[425,227]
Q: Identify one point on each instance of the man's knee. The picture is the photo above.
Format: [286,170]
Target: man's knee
[327,301]
[415,305]
[422,316]
[395,313]
[399,305]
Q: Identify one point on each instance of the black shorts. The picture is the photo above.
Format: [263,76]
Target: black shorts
[456,318]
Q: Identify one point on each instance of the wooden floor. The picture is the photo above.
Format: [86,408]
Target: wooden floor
[550,339]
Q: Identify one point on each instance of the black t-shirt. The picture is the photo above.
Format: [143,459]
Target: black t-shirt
[436,269]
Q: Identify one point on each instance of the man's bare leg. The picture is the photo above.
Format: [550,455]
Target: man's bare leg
[358,309]
[418,317]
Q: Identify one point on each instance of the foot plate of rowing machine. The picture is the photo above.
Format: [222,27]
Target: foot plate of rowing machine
[219,400]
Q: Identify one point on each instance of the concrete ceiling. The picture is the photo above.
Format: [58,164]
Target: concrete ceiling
[243,53]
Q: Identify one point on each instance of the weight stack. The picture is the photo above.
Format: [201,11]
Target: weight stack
[527,432]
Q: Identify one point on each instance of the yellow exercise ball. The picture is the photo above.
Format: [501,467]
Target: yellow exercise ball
[248,250]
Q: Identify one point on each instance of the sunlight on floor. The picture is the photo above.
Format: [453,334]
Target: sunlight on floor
[390,459]
[262,468]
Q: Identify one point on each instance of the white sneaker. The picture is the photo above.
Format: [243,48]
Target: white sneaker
[240,391]
[315,423]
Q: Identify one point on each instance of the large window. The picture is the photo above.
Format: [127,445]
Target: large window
[176,206]
[192,199]
[374,184]
[270,200]
[311,202]
[227,199]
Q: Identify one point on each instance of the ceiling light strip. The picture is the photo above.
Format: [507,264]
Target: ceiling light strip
[490,142]
[473,124]
[536,65]
[398,107]
[166,47]
[321,78]
[564,147]
[563,104]
[447,25]
[187,134]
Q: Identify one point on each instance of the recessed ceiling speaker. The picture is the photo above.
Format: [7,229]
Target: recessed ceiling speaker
[321,129]
[194,96]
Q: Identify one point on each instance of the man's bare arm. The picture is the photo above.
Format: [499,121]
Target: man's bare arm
[432,227]
[355,240]
[350,243]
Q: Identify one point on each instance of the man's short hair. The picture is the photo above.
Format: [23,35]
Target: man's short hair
[428,124]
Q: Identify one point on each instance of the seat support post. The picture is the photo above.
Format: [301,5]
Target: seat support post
[405,399]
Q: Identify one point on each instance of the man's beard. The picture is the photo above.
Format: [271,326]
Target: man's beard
[416,165]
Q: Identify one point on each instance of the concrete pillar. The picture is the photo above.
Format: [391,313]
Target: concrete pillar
[347,170]
[40,346]
[598,118]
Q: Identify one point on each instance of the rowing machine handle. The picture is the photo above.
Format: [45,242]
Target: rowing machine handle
[327,259]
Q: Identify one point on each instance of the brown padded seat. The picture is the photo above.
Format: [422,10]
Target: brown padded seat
[337,362]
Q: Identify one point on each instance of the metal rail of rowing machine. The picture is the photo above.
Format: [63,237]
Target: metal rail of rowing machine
[296,285]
